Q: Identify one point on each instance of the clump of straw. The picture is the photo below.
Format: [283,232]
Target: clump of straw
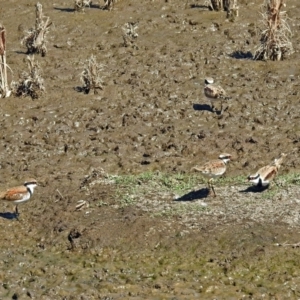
[275,41]
[109,4]
[130,35]
[79,5]
[35,38]
[30,83]
[90,77]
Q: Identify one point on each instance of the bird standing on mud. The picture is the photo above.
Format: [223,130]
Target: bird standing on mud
[213,169]
[264,176]
[19,194]
[214,93]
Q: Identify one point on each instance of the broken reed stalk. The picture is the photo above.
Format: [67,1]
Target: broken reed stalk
[232,9]
[30,83]
[35,39]
[230,6]
[109,4]
[216,5]
[4,90]
[90,77]
[79,5]
[130,35]
[275,41]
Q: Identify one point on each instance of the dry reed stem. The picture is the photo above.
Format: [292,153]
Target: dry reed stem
[275,41]
[129,34]
[79,5]
[30,83]
[35,39]
[109,4]
[90,77]
[4,89]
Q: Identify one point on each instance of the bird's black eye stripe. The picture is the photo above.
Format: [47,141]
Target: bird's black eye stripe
[253,177]
[31,182]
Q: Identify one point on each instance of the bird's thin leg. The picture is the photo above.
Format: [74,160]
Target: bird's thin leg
[211,186]
[221,112]
[212,106]
[17,212]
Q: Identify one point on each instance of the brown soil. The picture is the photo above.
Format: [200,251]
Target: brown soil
[150,116]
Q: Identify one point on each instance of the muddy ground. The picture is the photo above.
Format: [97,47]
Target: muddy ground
[151,116]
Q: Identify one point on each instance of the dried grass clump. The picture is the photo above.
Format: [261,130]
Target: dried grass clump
[30,83]
[231,6]
[4,89]
[109,4]
[90,77]
[79,5]
[129,34]
[35,38]
[275,41]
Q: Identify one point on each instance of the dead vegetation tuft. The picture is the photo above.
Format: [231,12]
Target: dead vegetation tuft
[30,83]
[130,35]
[275,41]
[230,6]
[80,5]
[109,4]
[4,89]
[91,76]
[35,38]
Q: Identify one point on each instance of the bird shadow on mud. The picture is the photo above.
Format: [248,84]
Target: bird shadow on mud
[202,107]
[65,9]
[204,7]
[68,9]
[194,195]
[8,215]
[241,55]
[254,189]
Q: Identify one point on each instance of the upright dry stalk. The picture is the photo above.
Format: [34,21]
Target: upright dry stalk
[109,4]
[90,77]
[216,5]
[79,5]
[30,83]
[231,6]
[129,34]
[4,90]
[275,41]
[35,38]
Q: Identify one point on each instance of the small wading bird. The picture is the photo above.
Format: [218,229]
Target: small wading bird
[19,194]
[264,176]
[214,168]
[214,93]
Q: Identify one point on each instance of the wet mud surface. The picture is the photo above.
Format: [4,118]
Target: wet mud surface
[149,242]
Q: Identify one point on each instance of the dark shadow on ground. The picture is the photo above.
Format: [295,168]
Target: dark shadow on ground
[94,6]
[21,52]
[65,9]
[241,55]
[8,215]
[254,189]
[202,107]
[194,195]
[205,7]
